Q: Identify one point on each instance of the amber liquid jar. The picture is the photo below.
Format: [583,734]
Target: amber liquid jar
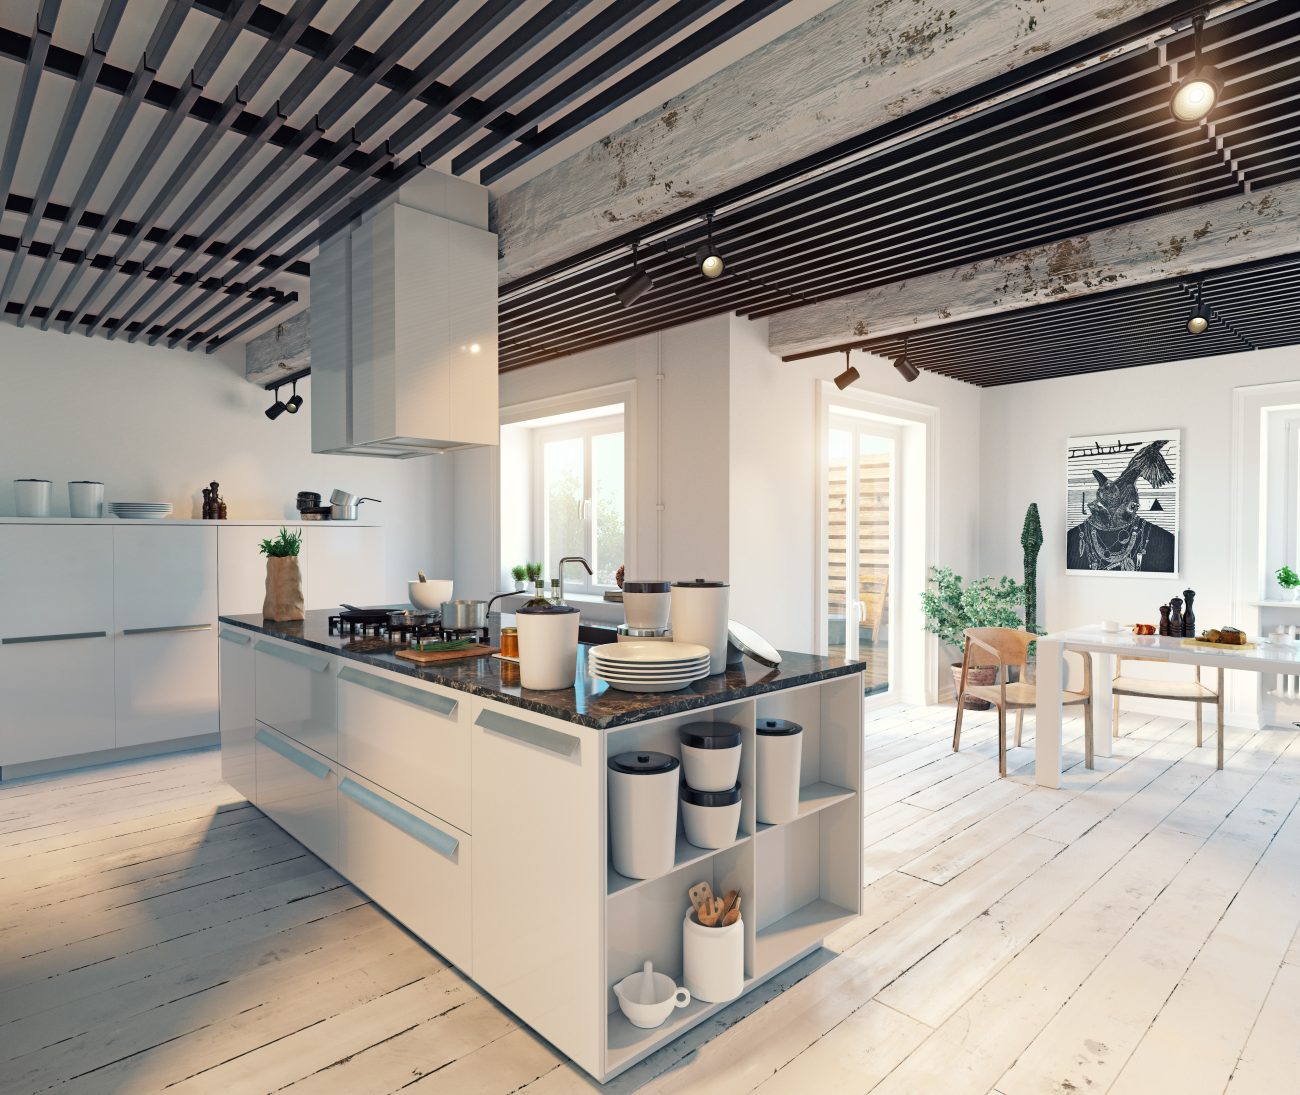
[510,642]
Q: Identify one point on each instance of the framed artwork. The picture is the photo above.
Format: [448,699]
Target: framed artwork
[1121,509]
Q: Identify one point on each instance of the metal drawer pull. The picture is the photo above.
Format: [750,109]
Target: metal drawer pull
[439,705]
[430,835]
[235,637]
[54,638]
[542,736]
[292,755]
[165,630]
[284,653]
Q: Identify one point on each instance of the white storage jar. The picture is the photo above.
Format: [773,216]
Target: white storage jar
[710,755]
[713,959]
[699,615]
[643,813]
[778,757]
[548,646]
[711,818]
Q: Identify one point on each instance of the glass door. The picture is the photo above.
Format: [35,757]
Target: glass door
[860,543]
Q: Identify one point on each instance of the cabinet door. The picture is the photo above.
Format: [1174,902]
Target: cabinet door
[297,694]
[58,698]
[241,567]
[296,788]
[235,650]
[347,565]
[164,576]
[539,873]
[166,684]
[55,579]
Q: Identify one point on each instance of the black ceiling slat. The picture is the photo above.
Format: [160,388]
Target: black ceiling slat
[278,304]
[46,14]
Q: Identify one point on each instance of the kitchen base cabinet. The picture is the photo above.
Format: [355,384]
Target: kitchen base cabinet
[166,684]
[297,789]
[238,720]
[296,694]
[58,698]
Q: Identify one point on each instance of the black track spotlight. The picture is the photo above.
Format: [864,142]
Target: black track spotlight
[1198,91]
[637,285]
[707,257]
[1199,319]
[906,369]
[295,400]
[277,408]
[850,375]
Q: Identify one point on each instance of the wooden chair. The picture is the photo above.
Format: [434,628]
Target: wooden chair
[1002,648]
[1193,691]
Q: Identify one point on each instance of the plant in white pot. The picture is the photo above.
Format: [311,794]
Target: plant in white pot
[283,577]
[951,607]
[519,573]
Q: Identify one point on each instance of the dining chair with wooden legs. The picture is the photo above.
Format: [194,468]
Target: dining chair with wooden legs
[1194,691]
[1002,648]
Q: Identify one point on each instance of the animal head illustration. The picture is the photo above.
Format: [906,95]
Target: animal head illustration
[1116,505]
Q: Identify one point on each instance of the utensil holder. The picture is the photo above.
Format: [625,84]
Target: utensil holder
[713,959]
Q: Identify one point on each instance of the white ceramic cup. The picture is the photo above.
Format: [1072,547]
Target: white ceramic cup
[663,997]
[1110,625]
[713,959]
[32,497]
[85,498]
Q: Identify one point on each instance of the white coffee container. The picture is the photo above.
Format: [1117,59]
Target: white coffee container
[710,755]
[647,604]
[548,646]
[699,615]
[777,760]
[85,498]
[643,813]
[711,819]
[713,959]
[32,497]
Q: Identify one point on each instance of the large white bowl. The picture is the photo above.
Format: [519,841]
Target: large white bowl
[429,595]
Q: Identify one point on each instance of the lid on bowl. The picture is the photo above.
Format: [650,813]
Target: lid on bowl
[710,735]
[650,585]
[700,583]
[750,642]
[728,797]
[644,764]
[777,727]
[531,609]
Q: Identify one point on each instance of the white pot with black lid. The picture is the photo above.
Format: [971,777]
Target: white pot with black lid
[699,615]
[777,760]
[643,813]
[711,819]
[710,755]
[647,603]
[548,645]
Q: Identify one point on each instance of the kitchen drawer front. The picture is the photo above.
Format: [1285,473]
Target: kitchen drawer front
[57,699]
[164,576]
[411,739]
[238,722]
[166,685]
[296,694]
[414,864]
[297,788]
[55,579]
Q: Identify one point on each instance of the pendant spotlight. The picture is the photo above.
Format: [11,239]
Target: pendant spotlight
[277,408]
[706,255]
[637,285]
[1199,320]
[295,400]
[906,369]
[1198,91]
[850,375]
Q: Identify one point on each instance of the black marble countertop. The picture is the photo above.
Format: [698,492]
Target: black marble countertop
[589,703]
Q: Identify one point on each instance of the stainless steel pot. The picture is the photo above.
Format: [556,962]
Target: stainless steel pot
[463,615]
[343,506]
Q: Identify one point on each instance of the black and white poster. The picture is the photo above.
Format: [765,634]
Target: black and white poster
[1122,503]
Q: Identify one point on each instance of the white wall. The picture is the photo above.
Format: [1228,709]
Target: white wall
[159,425]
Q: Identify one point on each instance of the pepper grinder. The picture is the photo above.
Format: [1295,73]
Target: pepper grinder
[207,504]
[1175,616]
[1164,620]
[1189,615]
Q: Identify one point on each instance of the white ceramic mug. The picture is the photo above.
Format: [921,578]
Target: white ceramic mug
[32,497]
[85,498]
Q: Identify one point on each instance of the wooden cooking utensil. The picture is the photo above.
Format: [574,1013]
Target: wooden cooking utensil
[699,894]
[733,915]
[728,904]
[420,574]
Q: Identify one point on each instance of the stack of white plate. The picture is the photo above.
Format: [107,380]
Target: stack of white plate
[141,511]
[649,666]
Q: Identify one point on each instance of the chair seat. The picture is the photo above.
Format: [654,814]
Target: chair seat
[1162,690]
[1019,694]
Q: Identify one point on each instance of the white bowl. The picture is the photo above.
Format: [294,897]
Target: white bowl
[663,997]
[429,595]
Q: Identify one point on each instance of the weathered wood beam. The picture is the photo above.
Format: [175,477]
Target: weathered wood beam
[848,70]
[1191,241]
[281,351]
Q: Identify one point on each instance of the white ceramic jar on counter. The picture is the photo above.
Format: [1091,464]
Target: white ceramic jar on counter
[699,615]
[643,813]
[778,759]
[548,646]
[710,755]
[647,604]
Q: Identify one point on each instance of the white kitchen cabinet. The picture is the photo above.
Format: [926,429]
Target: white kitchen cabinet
[238,720]
[241,566]
[296,694]
[57,698]
[164,577]
[414,864]
[347,564]
[297,789]
[55,579]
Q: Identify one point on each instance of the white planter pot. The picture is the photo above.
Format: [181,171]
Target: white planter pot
[780,753]
[713,959]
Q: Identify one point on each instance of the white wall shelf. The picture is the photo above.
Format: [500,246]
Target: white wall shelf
[814,797]
[795,932]
[686,855]
[628,1044]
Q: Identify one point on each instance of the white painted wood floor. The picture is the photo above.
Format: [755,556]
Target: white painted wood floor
[1134,932]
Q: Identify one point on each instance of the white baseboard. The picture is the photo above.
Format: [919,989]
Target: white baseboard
[106,756]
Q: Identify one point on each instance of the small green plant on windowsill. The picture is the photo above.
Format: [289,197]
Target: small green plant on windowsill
[519,573]
[1289,580]
[286,544]
[533,571]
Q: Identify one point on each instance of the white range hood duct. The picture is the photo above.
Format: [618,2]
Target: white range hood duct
[404,326]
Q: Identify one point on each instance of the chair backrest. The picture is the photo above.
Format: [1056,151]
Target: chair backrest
[1011,644]
[1120,659]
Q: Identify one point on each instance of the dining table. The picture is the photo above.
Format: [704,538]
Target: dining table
[1280,657]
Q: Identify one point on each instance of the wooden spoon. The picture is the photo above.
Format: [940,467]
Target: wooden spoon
[733,915]
[728,904]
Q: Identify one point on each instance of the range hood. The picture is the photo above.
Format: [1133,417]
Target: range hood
[404,326]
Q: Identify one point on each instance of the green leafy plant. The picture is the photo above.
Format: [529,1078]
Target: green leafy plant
[287,543]
[1031,540]
[533,570]
[951,607]
[519,572]
[1287,578]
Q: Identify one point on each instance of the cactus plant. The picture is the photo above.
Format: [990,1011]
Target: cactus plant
[1031,539]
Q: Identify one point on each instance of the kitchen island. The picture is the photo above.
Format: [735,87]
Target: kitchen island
[474,812]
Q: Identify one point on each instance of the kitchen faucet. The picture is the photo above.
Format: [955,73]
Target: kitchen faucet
[559,570]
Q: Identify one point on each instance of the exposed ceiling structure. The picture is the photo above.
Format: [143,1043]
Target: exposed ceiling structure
[169,166]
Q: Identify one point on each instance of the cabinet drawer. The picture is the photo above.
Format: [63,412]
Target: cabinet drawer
[166,684]
[238,725]
[58,698]
[297,788]
[414,864]
[411,739]
[296,694]
[55,579]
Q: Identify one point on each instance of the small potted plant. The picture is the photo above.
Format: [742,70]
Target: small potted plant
[1289,580]
[951,607]
[283,577]
[533,571]
[519,573]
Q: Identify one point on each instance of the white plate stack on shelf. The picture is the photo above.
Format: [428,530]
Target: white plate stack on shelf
[649,666]
[141,511]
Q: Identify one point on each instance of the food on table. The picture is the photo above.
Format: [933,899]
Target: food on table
[1224,636]
[1144,629]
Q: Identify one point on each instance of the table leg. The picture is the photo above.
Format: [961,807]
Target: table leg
[1047,715]
[1103,705]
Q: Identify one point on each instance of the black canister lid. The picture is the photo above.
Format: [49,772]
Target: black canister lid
[700,583]
[644,764]
[728,797]
[778,727]
[544,610]
[710,735]
[647,585]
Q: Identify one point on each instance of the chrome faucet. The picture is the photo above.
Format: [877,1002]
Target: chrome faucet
[559,570]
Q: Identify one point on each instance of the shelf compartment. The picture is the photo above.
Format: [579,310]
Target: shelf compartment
[626,1043]
[797,931]
[685,855]
[814,797]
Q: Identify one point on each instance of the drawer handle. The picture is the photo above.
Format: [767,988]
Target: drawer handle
[284,653]
[294,756]
[443,843]
[169,629]
[235,637]
[439,705]
[54,638]
[543,737]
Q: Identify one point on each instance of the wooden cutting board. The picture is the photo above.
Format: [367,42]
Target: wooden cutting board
[1223,648]
[428,657]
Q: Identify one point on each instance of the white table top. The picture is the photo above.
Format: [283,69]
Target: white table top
[1266,657]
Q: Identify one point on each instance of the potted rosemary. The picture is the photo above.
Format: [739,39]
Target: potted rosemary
[519,573]
[283,577]
[951,607]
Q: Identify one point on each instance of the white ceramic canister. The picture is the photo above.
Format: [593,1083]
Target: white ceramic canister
[647,604]
[711,819]
[713,959]
[32,497]
[643,813]
[85,498]
[779,753]
[548,646]
[710,755]
[699,615]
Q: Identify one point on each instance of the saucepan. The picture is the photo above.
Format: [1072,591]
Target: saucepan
[343,506]
[466,615]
